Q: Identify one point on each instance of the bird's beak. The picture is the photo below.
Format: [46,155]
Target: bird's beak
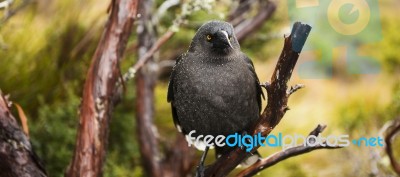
[226,37]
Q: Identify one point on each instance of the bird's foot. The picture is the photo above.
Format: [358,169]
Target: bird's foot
[265,85]
[244,133]
[200,168]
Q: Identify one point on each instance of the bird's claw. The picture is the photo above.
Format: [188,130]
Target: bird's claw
[200,168]
[200,171]
[265,85]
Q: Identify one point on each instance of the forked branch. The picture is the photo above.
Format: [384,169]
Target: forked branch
[285,154]
[278,96]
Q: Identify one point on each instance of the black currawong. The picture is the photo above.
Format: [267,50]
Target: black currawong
[213,87]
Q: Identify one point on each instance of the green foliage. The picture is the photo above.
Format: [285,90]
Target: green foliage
[123,158]
[53,133]
[394,106]
[387,49]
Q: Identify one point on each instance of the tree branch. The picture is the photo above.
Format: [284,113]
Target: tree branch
[238,15]
[144,58]
[16,153]
[246,27]
[392,131]
[277,99]
[187,9]
[100,91]
[285,154]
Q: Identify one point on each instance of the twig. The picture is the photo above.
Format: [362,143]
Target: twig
[295,88]
[162,9]
[319,129]
[392,131]
[277,100]
[285,154]
[132,70]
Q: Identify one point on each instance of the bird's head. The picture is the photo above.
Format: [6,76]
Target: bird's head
[215,36]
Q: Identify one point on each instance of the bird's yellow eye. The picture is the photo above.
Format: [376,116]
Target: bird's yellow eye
[209,37]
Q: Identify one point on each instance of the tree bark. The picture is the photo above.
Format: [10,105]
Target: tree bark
[145,82]
[100,92]
[17,157]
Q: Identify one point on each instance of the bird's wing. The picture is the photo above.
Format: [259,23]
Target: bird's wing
[260,93]
[170,96]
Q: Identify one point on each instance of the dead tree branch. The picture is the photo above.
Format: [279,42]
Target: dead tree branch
[285,154]
[245,27]
[16,153]
[278,96]
[149,54]
[392,131]
[100,91]
[238,15]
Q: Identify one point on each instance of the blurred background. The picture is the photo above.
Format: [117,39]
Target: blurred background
[46,48]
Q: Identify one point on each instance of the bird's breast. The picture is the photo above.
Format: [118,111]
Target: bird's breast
[219,85]
[221,95]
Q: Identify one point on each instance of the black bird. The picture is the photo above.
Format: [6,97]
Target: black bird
[213,87]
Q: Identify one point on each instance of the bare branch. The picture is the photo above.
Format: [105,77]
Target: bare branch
[100,91]
[285,154]
[277,100]
[392,131]
[238,15]
[187,9]
[319,129]
[246,27]
[132,71]
[162,9]
[295,88]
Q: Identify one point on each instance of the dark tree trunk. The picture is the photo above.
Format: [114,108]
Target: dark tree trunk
[17,157]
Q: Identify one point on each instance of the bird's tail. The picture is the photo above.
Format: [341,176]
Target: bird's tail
[245,163]
[250,160]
